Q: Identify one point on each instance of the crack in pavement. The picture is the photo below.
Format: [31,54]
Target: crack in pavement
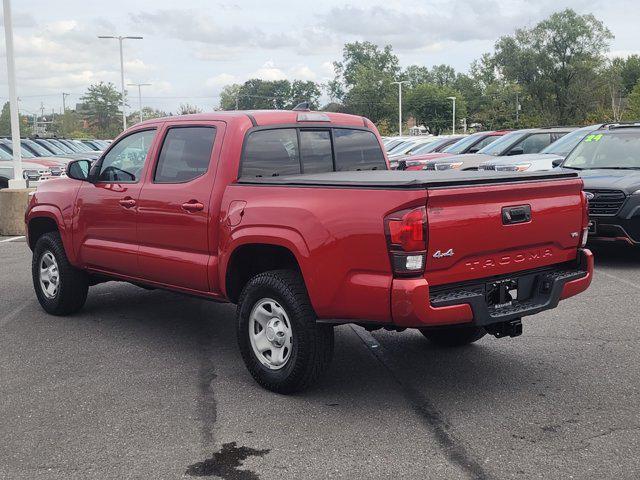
[454,450]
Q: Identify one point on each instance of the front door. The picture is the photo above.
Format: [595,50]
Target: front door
[174,207]
[107,209]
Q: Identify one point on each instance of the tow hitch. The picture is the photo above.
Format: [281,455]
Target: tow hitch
[512,328]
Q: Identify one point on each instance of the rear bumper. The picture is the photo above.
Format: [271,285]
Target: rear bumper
[415,304]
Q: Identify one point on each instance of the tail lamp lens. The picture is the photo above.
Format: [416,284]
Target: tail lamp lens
[408,231]
[407,238]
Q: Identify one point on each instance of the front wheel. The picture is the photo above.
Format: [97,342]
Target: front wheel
[60,287]
[454,336]
[283,347]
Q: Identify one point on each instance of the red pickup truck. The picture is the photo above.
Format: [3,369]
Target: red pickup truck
[295,217]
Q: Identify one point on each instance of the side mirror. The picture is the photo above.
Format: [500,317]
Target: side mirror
[402,165]
[79,170]
[557,162]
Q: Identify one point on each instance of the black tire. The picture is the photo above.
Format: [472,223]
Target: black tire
[312,343]
[73,284]
[454,336]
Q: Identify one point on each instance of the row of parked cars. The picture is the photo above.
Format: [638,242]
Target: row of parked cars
[44,158]
[607,157]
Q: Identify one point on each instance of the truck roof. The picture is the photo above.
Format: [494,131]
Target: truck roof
[270,117]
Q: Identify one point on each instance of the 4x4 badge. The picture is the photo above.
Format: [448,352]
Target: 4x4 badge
[441,254]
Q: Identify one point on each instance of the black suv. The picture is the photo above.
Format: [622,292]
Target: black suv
[609,163]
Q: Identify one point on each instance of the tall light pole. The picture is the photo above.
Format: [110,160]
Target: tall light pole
[399,104]
[120,39]
[18,181]
[453,121]
[139,85]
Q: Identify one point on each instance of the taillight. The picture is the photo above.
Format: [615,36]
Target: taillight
[406,232]
[585,220]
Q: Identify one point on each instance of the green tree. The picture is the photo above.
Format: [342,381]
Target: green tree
[430,106]
[363,81]
[101,108]
[229,97]
[257,94]
[66,123]
[304,91]
[557,63]
[633,108]
[5,121]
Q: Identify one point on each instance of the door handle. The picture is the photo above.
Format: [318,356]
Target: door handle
[519,214]
[127,202]
[193,206]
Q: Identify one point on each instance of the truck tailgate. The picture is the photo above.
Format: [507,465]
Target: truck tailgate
[488,230]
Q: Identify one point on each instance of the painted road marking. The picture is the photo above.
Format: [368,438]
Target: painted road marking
[12,239]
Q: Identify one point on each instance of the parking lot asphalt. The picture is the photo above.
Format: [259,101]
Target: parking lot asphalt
[150,384]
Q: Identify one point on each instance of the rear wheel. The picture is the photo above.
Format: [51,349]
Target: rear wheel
[454,336]
[60,287]
[283,347]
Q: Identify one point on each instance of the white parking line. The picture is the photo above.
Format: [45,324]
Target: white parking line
[4,320]
[620,279]
[12,239]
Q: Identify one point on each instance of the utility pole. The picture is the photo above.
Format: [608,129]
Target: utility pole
[64,103]
[139,85]
[517,109]
[453,120]
[399,83]
[120,39]
[18,181]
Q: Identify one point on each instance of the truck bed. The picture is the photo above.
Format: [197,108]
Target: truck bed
[408,179]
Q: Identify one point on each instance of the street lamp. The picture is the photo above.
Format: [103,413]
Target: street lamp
[453,121]
[18,181]
[120,39]
[399,104]
[139,85]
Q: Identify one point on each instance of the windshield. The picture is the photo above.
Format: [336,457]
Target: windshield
[39,149]
[82,146]
[567,143]
[50,146]
[70,145]
[8,146]
[499,146]
[463,145]
[430,146]
[4,155]
[60,145]
[610,150]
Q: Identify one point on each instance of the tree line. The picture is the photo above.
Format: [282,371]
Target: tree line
[554,73]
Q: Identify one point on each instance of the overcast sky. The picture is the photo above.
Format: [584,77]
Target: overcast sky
[194,47]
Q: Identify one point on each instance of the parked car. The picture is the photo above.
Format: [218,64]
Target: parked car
[467,145]
[95,145]
[608,160]
[216,205]
[391,142]
[437,145]
[56,150]
[31,172]
[409,145]
[55,166]
[519,142]
[548,157]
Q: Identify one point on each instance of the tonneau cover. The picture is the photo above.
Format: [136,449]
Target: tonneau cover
[407,179]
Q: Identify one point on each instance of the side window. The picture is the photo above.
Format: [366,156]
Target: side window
[185,154]
[124,162]
[534,143]
[315,150]
[271,153]
[357,150]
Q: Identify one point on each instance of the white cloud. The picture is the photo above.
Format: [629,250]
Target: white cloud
[268,71]
[220,80]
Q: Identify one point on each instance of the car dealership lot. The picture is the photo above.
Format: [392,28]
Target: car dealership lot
[150,384]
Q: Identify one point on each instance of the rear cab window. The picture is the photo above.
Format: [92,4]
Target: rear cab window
[299,150]
[185,154]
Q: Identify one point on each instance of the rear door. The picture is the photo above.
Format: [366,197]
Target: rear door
[175,221]
[482,231]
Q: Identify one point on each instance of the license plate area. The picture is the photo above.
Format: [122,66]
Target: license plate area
[502,293]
